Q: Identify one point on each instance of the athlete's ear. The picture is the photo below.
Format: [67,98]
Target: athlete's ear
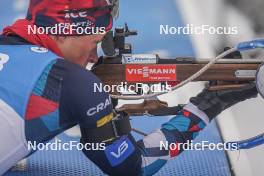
[62,44]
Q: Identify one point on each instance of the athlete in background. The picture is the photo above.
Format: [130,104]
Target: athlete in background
[42,95]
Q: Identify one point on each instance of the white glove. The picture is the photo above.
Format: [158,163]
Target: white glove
[260,80]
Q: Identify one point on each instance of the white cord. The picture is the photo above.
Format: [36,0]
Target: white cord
[191,78]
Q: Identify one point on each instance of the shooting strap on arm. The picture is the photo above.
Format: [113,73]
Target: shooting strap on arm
[108,132]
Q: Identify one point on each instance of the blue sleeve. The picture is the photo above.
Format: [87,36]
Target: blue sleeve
[80,101]
[124,156]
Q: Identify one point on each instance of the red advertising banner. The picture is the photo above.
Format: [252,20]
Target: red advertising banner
[152,73]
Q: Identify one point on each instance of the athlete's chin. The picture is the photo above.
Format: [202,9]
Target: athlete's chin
[85,60]
[92,60]
[84,63]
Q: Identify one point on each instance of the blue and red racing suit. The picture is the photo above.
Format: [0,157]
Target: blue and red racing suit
[62,96]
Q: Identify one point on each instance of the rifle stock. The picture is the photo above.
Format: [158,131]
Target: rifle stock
[112,74]
[221,76]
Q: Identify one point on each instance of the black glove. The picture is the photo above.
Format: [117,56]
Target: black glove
[213,103]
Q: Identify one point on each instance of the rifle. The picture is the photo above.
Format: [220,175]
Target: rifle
[121,65]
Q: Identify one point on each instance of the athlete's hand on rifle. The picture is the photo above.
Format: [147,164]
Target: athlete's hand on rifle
[213,103]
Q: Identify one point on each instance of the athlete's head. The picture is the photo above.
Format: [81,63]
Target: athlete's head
[77,26]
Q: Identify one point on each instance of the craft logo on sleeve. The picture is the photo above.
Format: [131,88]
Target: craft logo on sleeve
[99,107]
[144,73]
[3,59]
